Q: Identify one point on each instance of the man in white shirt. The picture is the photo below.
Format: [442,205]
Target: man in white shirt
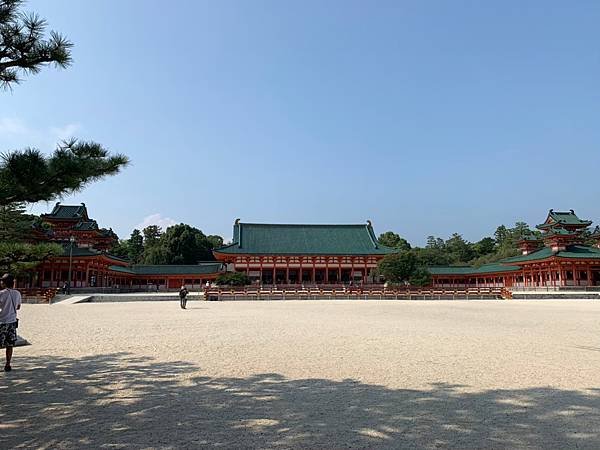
[10,303]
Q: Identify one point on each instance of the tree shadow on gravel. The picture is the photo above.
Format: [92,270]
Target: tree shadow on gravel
[123,401]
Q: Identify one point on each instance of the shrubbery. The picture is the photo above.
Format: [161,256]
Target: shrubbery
[233,279]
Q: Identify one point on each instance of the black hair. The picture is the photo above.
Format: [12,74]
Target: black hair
[8,280]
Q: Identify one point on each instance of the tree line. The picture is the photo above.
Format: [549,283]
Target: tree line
[178,244]
[410,263]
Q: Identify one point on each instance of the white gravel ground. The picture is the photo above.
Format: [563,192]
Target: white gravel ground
[306,374]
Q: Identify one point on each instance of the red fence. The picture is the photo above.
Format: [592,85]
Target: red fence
[359,293]
[30,295]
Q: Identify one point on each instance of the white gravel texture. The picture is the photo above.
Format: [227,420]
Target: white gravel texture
[306,374]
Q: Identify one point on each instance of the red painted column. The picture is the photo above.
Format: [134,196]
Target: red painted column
[326,270]
[300,278]
[314,280]
[589,275]
[339,270]
[287,270]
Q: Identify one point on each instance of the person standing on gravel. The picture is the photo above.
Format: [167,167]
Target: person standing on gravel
[10,303]
[183,292]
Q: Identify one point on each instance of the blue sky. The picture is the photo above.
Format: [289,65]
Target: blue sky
[425,117]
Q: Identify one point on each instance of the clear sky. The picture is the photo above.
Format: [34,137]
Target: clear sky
[425,117]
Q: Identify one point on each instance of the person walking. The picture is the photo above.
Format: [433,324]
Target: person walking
[183,292]
[10,303]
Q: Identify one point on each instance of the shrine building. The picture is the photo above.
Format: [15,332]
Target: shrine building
[86,253]
[565,254]
[301,253]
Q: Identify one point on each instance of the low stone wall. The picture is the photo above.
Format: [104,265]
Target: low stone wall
[558,295]
[34,299]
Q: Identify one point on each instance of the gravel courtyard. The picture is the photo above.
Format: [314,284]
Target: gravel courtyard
[308,374]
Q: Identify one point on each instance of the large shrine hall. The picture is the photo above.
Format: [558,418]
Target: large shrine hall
[558,255]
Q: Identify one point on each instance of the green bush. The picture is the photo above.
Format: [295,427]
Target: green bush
[233,279]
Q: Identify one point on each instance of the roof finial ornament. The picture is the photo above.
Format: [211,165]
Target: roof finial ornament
[237,221]
[369,222]
[572,212]
[551,210]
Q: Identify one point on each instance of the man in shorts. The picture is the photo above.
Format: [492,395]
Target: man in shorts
[10,303]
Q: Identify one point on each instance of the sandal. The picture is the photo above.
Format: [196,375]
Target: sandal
[7,368]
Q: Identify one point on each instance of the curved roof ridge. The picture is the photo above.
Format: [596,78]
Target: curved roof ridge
[304,224]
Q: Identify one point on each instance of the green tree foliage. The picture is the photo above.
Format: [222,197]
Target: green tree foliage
[17,254]
[215,241]
[403,267]
[152,234]
[15,224]
[431,256]
[398,267]
[485,246]
[24,47]
[436,243]
[120,249]
[18,257]
[233,279]
[135,246]
[31,176]
[179,244]
[420,277]
[393,240]
[502,235]
[155,255]
[459,251]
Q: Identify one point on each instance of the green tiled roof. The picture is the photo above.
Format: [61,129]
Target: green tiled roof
[572,251]
[580,251]
[563,218]
[468,270]
[559,231]
[542,253]
[511,264]
[121,269]
[87,225]
[68,212]
[87,251]
[191,269]
[291,239]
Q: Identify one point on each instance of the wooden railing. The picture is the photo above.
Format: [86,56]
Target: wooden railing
[359,293]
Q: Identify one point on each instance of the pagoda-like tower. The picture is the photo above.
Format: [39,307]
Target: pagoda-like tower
[529,243]
[66,221]
[561,229]
[595,236]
